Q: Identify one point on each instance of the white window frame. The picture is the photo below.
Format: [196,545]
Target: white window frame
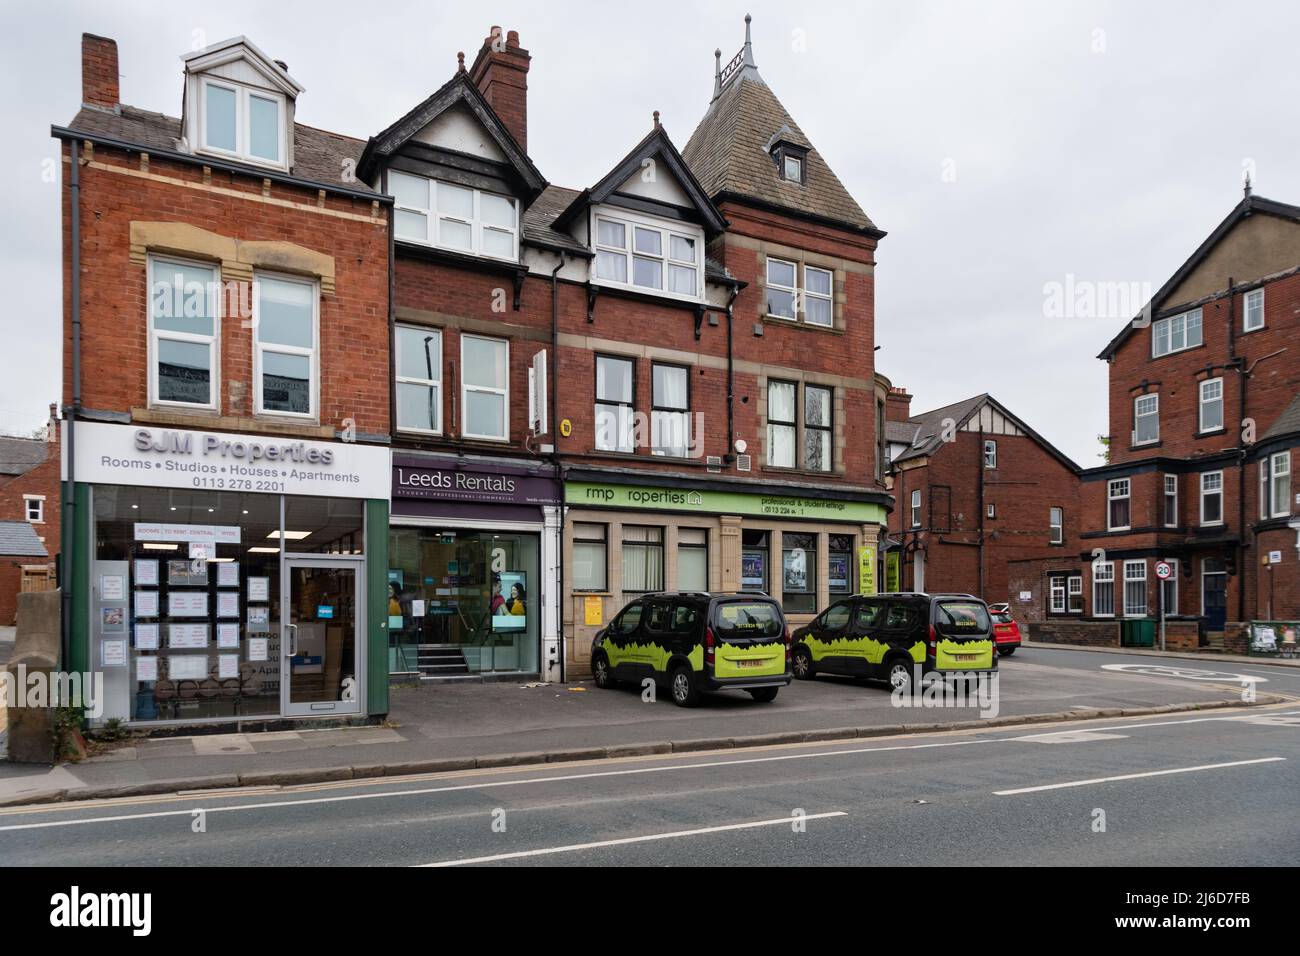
[1129,565]
[799,292]
[1272,469]
[1254,303]
[1206,492]
[39,502]
[1112,496]
[1103,572]
[990,454]
[1167,328]
[786,159]
[313,353]
[1203,403]
[1171,584]
[792,424]
[1074,588]
[793,290]
[827,297]
[1170,491]
[1056,524]
[1056,589]
[625,412]
[667,229]
[1139,415]
[433,219]
[916,507]
[466,389]
[434,383]
[212,341]
[242,119]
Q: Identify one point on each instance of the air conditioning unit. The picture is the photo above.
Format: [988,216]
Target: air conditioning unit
[714,464]
[744,463]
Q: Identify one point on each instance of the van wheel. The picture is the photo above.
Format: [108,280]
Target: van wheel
[801,663]
[601,673]
[683,688]
[764,695]
[900,673]
[1006,651]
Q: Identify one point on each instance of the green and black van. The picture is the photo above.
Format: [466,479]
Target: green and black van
[696,642]
[885,636]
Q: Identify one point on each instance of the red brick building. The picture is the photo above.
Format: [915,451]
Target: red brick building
[29,514]
[1204,425]
[226,306]
[977,489]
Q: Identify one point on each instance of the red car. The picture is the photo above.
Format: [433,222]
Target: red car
[1006,632]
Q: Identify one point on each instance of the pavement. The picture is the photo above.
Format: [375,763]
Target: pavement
[448,727]
[1209,789]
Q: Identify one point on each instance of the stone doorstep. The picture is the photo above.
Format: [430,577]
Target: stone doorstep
[224,784]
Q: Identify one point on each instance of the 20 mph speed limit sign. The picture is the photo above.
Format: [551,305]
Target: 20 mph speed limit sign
[1164,570]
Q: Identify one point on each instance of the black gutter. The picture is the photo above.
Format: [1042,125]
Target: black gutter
[763,204]
[63,132]
[554,429]
[70,489]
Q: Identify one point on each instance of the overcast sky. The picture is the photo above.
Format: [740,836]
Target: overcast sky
[1003,146]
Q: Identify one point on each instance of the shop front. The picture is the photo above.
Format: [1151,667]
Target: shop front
[223,577]
[473,569]
[625,539]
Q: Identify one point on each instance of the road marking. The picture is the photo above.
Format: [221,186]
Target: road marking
[1189,673]
[624,841]
[1071,737]
[1135,776]
[483,785]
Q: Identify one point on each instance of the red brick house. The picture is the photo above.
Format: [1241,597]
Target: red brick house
[977,488]
[226,336]
[1204,426]
[29,510]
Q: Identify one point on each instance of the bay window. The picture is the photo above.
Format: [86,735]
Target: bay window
[1275,485]
[1135,589]
[285,355]
[184,314]
[1171,501]
[649,255]
[1212,498]
[441,214]
[1117,505]
[419,379]
[1074,593]
[485,388]
[1103,588]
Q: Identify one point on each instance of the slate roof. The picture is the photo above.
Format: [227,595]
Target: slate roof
[318,156]
[20,455]
[542,213]
[1287,423]
[729,152]
[930,424]
[18,538]
[902,432]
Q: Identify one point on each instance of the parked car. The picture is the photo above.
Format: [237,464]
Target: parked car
[1006,632]
[695,643]
[885,636]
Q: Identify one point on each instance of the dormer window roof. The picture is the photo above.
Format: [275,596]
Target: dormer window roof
[791,161]
[239,104]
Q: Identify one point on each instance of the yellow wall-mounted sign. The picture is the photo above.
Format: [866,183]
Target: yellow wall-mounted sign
[593,610]
[566,427]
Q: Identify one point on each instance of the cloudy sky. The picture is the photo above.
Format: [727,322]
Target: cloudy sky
[1004,146]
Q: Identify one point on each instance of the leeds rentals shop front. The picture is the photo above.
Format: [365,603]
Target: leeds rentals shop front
[219,577]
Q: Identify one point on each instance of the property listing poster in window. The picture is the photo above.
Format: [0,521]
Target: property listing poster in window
[509,601]
[753,569]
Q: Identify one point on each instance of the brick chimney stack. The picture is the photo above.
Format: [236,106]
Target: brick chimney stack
[898,405]
[99,72]
[500,72]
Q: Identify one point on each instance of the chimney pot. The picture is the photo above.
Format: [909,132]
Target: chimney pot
[500,72]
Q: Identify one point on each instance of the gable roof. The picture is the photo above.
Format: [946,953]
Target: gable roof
[1249,205]
[459,89]
[730,151]
[656,144]
[927,428]
[242,48]
[20,455]
[318,156]
[19,539]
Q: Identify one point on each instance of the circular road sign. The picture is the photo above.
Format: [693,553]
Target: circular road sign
[1164,571]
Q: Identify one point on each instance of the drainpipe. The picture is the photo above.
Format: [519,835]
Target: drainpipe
[70,518]
[555,458]
[729,456]
[979,459]
[1239,364]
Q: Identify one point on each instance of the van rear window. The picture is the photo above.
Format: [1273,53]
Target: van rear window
[958,616]
[749,619]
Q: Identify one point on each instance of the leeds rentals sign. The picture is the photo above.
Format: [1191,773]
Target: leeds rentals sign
[219,461]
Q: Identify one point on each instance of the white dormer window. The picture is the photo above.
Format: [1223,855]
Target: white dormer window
[649,255]
[454,217]
[241,122]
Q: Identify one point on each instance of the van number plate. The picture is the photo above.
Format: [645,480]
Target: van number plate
[965,657]
[751,663]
